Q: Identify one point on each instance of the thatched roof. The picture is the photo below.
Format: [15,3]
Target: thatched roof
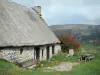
[22,26]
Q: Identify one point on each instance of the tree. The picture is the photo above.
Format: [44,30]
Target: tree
[69,42]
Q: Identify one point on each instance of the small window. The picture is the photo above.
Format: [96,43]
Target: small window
[0,51]
[21,51]
[42,52]
[34,54]
[53,49]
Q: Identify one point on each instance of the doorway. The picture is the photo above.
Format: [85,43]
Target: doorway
[48,51]
[53,49]
[37,50]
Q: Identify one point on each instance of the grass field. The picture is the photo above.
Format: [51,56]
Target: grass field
[88,68]
[90,47]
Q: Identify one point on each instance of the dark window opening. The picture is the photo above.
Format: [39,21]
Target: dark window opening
[42,52]
[53,49]
[34,54]
[48,55]
[0,51]
[37,49]
[21,51]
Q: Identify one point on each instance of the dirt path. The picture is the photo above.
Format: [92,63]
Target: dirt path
[64,66]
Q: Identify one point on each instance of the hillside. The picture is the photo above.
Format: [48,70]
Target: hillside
[72,28]
[69,26]
[82,31]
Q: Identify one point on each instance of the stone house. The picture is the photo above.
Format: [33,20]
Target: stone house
[24,33]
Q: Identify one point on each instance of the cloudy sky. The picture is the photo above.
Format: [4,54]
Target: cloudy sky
[67,11]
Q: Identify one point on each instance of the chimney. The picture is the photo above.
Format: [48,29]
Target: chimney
[38,10]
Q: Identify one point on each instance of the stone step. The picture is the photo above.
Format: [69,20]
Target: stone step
[27,63]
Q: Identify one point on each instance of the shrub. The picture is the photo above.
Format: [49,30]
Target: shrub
[69,42]
[4,60]
[38,65]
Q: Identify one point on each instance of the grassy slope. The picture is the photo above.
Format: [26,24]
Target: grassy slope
[90,47]
[57,59]
[89,68]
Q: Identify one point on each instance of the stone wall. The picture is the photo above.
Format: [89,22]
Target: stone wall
[71,52]
[27,54]
[57,48]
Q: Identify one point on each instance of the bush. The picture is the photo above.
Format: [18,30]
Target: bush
[69,42]
[38,65]
[79,50]
[61,53]
[4,60]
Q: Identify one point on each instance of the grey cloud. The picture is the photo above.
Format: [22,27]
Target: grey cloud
[68,11]
[92,2]
[71,19]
